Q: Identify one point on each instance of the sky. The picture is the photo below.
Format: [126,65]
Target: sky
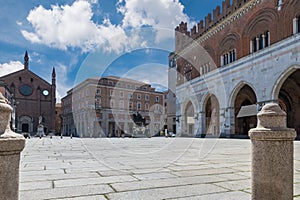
[93,38]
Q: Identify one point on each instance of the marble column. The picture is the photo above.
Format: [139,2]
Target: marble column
[295,26]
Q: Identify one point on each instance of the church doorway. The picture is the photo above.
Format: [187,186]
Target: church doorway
[25,124]
[25,128]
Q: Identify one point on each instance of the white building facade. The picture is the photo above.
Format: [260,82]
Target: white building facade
[221,94]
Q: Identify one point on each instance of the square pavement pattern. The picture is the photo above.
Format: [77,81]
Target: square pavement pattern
[139,168]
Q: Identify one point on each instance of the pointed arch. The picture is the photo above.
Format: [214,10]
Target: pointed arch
[211,115]
[244,96]
[286,92]
[188,118]
[282,78]
[235,91]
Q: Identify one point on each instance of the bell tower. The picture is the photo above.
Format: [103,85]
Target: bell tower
[26,59]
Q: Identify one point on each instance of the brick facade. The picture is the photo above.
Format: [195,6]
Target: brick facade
[246,55]
[34,97]
[104,107]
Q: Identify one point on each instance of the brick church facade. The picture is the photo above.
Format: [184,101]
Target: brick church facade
[34,98]
[235,61]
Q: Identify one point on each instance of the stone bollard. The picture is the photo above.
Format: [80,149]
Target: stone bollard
[272,155]
[11,145]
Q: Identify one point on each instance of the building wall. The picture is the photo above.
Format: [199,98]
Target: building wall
[171,94]
[33,102]
[58,118]
[233,29]
[264,71]
[104,107]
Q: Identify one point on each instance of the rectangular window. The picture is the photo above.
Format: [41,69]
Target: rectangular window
[98,91]
[111,93]
[139,106]
[298,25]
[146,106]
[98,102]
[121,104]
[130,95]
[121,94]
[157,99]
[147,97]
[139,97]
[112,103]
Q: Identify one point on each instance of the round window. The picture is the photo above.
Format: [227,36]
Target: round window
[45,92]
[25,90]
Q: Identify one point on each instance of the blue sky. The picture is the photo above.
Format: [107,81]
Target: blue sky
[88,38]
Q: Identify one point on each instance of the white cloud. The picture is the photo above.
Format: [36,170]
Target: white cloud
[19,23]
[71,26]
[63,26]
[157,78]
[61,81]
[163,15]
[10,67]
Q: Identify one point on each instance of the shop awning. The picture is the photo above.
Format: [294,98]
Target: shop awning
[190,120]
[247,111]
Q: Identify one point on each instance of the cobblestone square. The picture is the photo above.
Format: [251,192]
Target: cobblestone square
[140,168]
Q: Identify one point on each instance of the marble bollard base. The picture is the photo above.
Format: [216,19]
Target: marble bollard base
[272,155]
[272,169]
[10,149]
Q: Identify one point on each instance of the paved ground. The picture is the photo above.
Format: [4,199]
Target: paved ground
[141,168]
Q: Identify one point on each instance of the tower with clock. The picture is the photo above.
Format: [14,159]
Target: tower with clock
[34,99]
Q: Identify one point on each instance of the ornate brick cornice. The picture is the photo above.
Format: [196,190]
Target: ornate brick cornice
[221,25]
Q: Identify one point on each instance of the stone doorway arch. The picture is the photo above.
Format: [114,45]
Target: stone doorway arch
[25,124]
[245,99]
[287,94]
[212,116]
[189,120]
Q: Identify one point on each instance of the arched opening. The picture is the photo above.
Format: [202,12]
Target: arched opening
[25,128]
[245,111]
[212,116]
[25,124]
[189,119]
[289,100]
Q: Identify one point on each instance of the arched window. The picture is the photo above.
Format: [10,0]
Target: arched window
[296,25]
[228,57]
[260,42]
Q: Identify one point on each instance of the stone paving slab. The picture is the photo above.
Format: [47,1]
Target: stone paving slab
[235,195]
[93,181]
[137,185]
[167,192]
[95,197]
[67,192]
[139,168]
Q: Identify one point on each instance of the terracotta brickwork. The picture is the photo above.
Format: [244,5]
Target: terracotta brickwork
[244,56]
[232,30]
[34,97]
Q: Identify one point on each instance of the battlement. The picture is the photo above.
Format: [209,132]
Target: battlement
[211,19]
